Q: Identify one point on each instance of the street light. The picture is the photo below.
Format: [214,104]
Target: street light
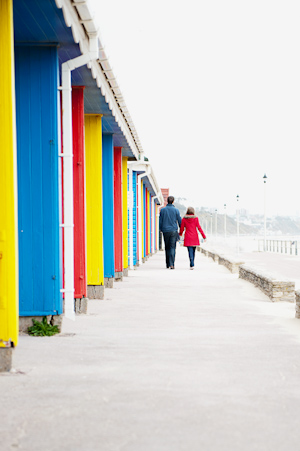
[211,224]
[265,214]
[216,222]
[238,223]
[225,221]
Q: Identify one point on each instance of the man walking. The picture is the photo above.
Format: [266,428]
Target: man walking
[169,221]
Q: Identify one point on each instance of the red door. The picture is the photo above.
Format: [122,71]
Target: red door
[118,209]
[80,279]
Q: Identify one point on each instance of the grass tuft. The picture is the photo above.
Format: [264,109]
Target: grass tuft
[42,329]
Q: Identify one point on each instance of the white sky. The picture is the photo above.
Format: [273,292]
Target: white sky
[213,88]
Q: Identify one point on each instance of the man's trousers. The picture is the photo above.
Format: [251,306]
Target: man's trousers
[170,239]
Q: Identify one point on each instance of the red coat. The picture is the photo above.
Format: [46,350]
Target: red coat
[190,224]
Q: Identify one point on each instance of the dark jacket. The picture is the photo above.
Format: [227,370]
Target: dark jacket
[169,219]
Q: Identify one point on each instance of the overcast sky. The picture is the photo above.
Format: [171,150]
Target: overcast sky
[213,88]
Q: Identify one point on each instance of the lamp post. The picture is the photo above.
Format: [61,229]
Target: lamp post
[238,224]
[211,224]
[265,213]
[225,231]
[216,222]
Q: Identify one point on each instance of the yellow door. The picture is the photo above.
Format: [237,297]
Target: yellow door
[9,313]
[94,210]
[125,212]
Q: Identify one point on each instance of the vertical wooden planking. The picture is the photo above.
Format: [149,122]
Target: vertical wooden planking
[108,205]
[80,279]
[125,211]
[94,211]
[129,205]
[145,228]
[149,222]
[141,226]
[118,221]
[155,226]
[38,181]
[135,218]
[8,185]
[136,229]
[146,222]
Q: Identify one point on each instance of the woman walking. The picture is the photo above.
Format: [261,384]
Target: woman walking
[190,224]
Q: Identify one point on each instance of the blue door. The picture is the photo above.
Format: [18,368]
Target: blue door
[108,205]
[134,188]
[38,180]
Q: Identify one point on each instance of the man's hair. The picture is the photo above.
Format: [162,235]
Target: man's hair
[170,199]
[190,211]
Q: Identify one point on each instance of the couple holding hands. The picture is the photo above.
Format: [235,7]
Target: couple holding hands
[169,221]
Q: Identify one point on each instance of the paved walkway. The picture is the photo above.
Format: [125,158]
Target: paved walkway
[170,361]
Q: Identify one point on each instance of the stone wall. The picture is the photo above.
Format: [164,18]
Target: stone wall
[297,315]
[231,264]
[213,255]
[275,287]
[202,250]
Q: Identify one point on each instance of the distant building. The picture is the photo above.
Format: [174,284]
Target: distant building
[244,213]
[165,193]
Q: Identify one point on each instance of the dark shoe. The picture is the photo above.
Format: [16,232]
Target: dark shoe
[172,267]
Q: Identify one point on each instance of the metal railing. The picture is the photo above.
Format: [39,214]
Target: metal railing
[279,246]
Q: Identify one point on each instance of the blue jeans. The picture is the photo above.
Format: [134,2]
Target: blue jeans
[191,251]
[170,239]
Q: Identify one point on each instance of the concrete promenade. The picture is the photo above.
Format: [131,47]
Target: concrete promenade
[170,360]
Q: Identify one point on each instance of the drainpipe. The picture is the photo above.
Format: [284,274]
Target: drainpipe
[67,156]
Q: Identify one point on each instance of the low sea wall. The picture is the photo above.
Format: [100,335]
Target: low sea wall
[297,294]
[230,263]
[275,287]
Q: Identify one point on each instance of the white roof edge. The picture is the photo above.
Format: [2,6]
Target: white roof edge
[121,117]
[83,27]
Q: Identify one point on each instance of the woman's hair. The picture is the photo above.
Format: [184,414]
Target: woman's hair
[190,211]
